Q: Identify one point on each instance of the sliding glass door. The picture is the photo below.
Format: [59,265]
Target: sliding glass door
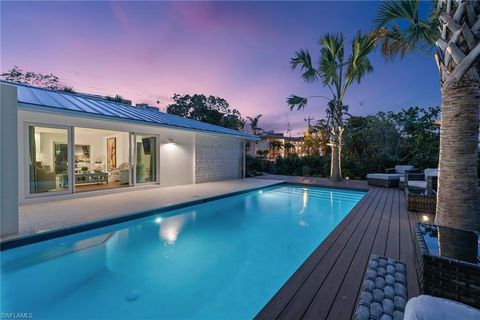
[63,159]
[49,159]
[145,153]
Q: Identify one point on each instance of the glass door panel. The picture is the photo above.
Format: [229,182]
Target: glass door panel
[48,159]
[146,158]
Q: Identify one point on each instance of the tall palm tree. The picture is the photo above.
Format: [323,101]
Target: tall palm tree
[451,35]
[337,73]
[256,130]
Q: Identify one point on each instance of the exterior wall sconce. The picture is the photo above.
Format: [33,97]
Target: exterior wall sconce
[171,141]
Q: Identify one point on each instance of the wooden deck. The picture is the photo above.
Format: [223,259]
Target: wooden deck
[327,284]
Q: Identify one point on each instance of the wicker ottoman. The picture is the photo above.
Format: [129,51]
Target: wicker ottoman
[441,275]
[384,290]
[384,179]
[421,200]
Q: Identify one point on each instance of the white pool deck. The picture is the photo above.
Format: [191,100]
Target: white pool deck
[54,213]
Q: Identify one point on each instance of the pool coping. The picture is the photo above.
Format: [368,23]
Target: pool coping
[74,229]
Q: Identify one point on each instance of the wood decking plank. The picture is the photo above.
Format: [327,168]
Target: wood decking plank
[392,249]
[380,242]
[303,298]
[273,308]
[346,298]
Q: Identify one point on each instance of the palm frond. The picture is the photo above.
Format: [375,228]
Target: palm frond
[303,60]
[390,11]
[358,63]
[334,43]
[331,58]
[416,34]
[296,102]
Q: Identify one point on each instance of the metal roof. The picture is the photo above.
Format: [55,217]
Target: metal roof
[62,102]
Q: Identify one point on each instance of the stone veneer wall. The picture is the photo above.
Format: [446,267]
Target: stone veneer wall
[217,158]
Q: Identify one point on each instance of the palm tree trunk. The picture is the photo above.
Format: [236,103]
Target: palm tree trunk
[335,162]
[458,200]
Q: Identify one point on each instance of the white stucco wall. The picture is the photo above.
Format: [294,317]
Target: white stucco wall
[8,160]
[217,158]
[177,159]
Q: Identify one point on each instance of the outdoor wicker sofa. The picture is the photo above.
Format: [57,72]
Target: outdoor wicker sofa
[391,177]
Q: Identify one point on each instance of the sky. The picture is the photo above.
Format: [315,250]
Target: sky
[240,51]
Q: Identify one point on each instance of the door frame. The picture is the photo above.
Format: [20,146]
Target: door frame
[26,154]
[133,158]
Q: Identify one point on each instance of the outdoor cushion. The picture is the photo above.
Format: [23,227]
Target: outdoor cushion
[384,176]
[427,307]
[431,172]
[402,169]
[402,179]
[417,183]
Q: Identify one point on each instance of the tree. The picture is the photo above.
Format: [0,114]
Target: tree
[209,109]
[275,146]
[256,130]
[322,132]
[372,143]
[68,89]
[419,131]
[48,81]
[451,34]
[311,144]
[118,98]
[288,147]
[337,73]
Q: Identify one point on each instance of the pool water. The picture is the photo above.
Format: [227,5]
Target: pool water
[222,259]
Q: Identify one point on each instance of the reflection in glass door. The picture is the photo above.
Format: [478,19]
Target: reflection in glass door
[146,158]
[48,159]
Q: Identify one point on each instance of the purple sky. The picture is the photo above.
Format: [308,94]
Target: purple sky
[146,51]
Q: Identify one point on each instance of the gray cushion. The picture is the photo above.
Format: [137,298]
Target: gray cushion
[417,183]
[431,172]
[426,307]
[402,169]
[384,176]
[402,179]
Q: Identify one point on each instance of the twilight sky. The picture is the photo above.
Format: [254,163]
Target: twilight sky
[146,51]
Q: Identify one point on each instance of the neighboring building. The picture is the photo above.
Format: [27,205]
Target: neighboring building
[68,143]
[265,144]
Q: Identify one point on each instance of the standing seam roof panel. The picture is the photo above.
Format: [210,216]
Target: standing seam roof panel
[94,105]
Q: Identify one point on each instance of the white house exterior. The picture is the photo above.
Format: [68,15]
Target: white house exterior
[60,144]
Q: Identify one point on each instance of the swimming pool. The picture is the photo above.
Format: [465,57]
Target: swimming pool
[222,259]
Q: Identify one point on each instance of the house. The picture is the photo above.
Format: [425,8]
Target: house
[265,145]
[58,144]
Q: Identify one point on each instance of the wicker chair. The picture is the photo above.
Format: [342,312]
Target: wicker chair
[445,277]
[422,180]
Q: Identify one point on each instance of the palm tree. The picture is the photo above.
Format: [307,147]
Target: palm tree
[254,124]
[288,146]
[450,34]
[337,73]
[275,147]
[68,89]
